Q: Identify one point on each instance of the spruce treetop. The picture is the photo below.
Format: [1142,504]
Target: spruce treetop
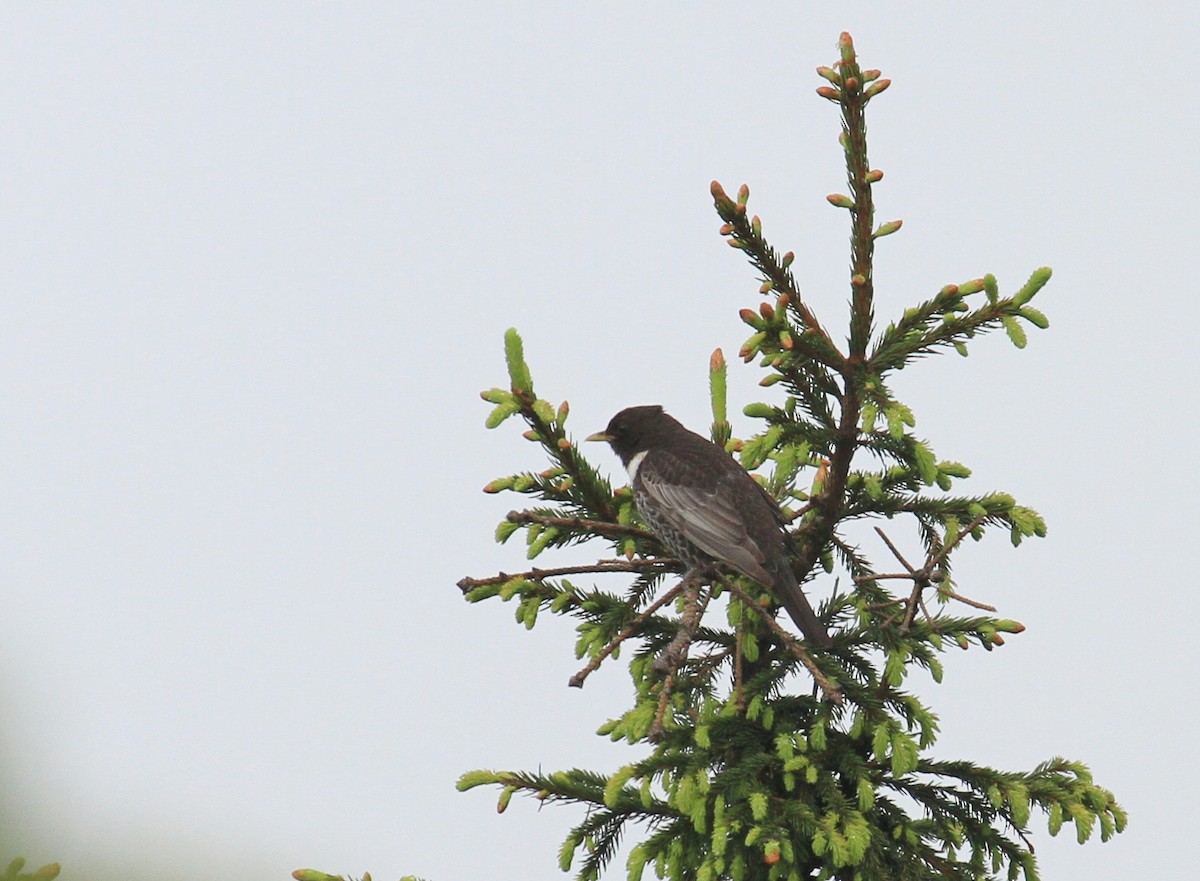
[770,758]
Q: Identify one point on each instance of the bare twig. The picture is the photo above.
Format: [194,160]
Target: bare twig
[945,591]
[920,595]
[798,513]
[929,575]
[963,533]
[896,552]
[864,579]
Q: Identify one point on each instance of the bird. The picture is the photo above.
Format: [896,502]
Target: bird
[705,507]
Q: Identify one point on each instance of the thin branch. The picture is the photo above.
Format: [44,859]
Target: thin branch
[899,556]
[917,599]
[963,533]
[927,576]
[945,591]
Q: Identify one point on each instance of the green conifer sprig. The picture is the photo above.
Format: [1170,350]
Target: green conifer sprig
[14,871]
[945,321]
[582,488]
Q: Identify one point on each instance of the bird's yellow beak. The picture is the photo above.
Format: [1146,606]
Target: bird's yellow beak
[598,436]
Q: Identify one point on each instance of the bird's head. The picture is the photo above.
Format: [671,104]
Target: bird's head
[635,430]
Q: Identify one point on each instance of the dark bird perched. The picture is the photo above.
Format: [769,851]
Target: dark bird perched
[704,506]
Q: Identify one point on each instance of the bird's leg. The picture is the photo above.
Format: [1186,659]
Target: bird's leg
[671,657]
[655,732]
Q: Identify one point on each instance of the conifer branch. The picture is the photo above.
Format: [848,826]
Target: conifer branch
[583,525]
[613,644]
[595,494]
[746,235]
[538,574]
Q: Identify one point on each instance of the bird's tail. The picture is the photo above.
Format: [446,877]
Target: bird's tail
[789,594]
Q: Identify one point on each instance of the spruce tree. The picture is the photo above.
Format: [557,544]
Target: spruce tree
[772,759]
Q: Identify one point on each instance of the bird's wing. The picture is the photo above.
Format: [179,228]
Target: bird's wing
[711,518]
[713,514]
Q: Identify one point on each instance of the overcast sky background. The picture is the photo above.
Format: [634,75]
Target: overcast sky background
[257,263]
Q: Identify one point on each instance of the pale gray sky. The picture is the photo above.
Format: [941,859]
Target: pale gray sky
[257,263]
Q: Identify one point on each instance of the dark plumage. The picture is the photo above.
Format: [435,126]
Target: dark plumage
[705,507]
